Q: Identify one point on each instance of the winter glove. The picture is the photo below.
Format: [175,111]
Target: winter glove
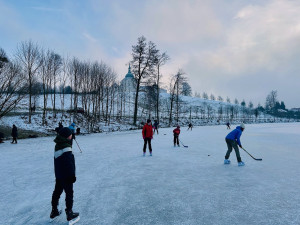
[71,179]
[240,146]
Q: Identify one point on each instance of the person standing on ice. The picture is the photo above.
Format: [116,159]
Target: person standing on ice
[72,127]
[14,134]
[190,126]
[176,133]
[64,168]
[147,136]
[233,141]
[155,126]
[228,125]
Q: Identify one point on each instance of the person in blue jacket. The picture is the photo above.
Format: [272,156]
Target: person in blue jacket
[72,127]
[233,141]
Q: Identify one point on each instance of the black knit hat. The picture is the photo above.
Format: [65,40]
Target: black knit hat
[148,120]
[65,132]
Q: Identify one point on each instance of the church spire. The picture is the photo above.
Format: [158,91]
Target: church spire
[129,74]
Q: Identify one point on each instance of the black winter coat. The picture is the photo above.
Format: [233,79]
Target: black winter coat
[64,167]
[14,132]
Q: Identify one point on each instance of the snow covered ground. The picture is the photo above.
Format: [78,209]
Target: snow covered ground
[116,185]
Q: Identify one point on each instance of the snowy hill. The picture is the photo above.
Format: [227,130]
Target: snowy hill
[116,185]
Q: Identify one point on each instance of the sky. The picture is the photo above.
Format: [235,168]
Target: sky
[242,49]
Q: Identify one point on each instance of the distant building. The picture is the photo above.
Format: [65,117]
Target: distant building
[295,109]
[129,82]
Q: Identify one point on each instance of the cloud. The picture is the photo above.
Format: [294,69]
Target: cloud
[260,38]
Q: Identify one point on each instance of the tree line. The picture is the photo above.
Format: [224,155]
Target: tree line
[93,85]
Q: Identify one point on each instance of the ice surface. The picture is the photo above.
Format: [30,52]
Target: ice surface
[116,185]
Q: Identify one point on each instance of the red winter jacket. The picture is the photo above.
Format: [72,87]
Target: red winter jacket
[176,131]
[147,131]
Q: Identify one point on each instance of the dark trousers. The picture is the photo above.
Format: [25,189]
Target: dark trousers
[60,186]
[147,140]
[176,140]
[14,140]
[155,129]
[232,144]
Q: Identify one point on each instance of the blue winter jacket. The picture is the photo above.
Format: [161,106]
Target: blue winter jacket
[72,128]
[235,135]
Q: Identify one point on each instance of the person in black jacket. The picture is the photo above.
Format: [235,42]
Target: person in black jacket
[14,134]
[64,167]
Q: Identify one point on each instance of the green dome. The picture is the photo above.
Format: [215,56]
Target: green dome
[129,74]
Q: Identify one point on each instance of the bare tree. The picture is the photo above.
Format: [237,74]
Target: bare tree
[63,80]
[175,89]
[56,67]
[271,100]
[228,100]
[143,63]
[29,55]
[160,60]
[220,98]
[205,95]
[3,58]
[12,87]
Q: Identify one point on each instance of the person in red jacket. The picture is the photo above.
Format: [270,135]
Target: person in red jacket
[147,136]
[176,133]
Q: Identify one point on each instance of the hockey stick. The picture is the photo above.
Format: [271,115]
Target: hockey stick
[78,145]
[183,144]
[251,155]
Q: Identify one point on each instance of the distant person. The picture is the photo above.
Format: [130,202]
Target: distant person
[147,136]
[72,127]
[64,168]
[1,137]
[77,131]
[228,125]
[60,126]
[14,134]
[176,133]
[233,141]
[155,126]
[190,126]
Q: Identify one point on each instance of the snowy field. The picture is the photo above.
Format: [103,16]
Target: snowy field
[116,185]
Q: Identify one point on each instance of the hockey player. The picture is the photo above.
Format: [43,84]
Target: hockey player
[64,167]
[228,125]
[233,141]
[176,133]
[147,136]
[72,127]
[190,126]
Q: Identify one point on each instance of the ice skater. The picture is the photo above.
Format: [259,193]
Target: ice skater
[72,127]
[64,168]
[176,133]
[233,141]
[190,126]
[147,136]
[228,125]
[155,126]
